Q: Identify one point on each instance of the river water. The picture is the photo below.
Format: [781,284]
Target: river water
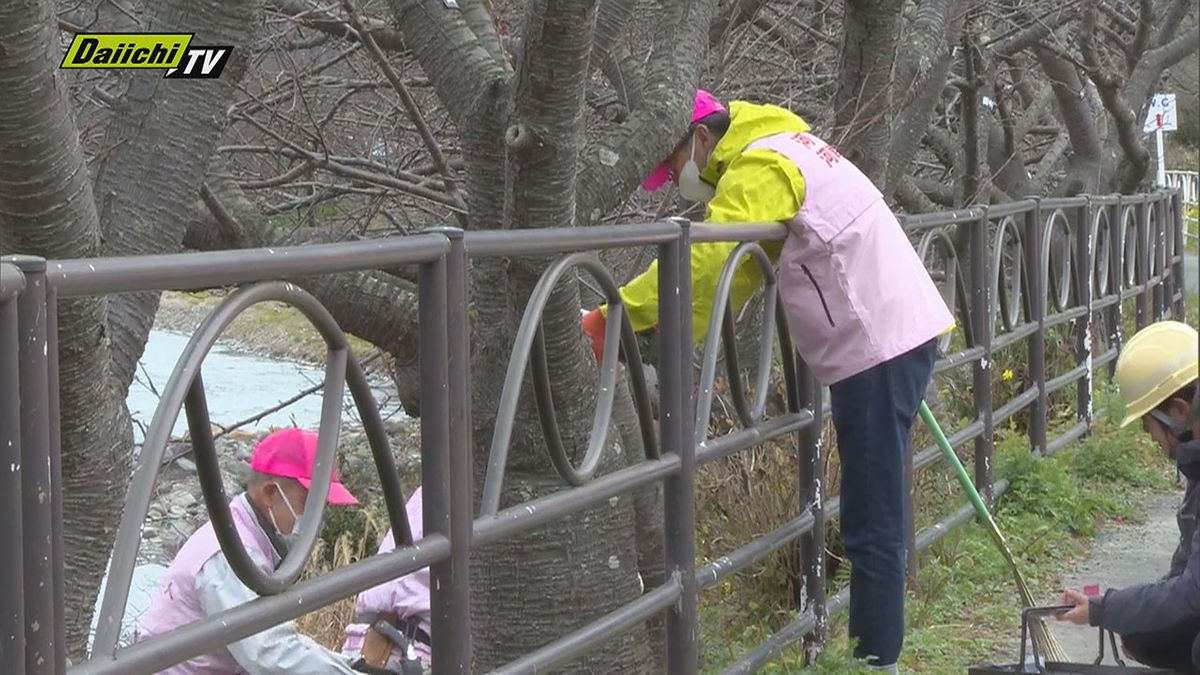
[238,385]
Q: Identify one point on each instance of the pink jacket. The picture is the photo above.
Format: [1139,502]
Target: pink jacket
[853,289]
[407,596]
[177,603]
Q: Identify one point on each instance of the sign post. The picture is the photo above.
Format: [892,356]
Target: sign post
[1161,117]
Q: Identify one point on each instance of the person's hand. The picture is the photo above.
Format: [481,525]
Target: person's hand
[593,327]
[1078,614]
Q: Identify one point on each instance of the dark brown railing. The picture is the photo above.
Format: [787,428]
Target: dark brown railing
[1033,265]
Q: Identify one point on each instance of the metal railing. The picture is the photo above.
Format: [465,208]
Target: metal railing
[1188,183]
[1032,265]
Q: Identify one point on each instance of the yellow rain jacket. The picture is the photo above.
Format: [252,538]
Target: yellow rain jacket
[755,186]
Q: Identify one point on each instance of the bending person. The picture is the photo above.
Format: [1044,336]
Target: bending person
[200,582]
[862,309]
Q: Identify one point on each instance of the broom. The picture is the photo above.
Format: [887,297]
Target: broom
[1053,651]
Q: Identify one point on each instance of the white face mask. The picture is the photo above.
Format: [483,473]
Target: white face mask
[691,186]
[289,538]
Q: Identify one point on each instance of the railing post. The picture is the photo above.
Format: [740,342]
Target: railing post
[1178,269]
[1037,311]
[36,489]
[1159,264]
[12,611]
[1084,280]
[435,457]
[457,613]
[1142,268]
[982,324]
[56,492]
[812,545]
[1115,313]
[678,436]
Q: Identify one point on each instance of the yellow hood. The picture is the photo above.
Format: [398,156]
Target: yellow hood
[748,123]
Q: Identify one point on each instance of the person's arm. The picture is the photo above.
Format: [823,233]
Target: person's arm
[760,186]
[1154,606]
[277,650]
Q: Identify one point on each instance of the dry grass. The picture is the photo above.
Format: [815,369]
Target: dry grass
[327,624]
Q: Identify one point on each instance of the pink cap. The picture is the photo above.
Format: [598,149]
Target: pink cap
[704,106]
[291,453]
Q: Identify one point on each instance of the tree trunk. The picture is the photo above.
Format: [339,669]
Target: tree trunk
[925,67]
[46,209]
[160,140]
[864,95]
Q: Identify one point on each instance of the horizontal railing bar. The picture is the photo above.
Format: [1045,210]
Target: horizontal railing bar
[528,515]
[1132,292]
[548,241]
[751,553]
[927,455]
[1103,359]
[207,269]
[1064,202]
[597,633]
[833,508]
[1011,208]
[925,221]
[1019,333]
[1104,200]
[1106,301]
[707,232]
[1066,438]
[12,281]
[958,359]
[1065,316]
[223,628]
[797,629]
[1014,406]
[742,439]
[1066,378]
[930,535]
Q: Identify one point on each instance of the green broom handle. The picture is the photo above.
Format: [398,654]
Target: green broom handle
[963,478]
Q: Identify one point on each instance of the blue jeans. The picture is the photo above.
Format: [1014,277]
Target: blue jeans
[873,414]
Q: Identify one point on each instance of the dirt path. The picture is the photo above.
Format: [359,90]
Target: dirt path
[1121,556]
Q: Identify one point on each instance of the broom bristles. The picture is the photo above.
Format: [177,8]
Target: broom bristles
[1051,650]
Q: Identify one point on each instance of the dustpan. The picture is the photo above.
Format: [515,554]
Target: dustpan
[1040,665]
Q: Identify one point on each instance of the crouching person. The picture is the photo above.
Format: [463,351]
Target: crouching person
[1159,621]
[200,582]
[392,620]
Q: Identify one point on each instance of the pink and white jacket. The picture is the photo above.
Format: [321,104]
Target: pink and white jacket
[200,582]
[853,288]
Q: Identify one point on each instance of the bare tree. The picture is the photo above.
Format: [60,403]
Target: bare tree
[371,119]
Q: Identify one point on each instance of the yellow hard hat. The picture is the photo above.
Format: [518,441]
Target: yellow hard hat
[1158,361]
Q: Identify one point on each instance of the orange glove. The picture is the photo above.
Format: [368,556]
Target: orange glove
[593,327]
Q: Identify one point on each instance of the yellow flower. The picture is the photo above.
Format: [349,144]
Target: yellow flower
[1007,375]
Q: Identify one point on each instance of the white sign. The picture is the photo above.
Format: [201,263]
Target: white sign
[1162,114]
